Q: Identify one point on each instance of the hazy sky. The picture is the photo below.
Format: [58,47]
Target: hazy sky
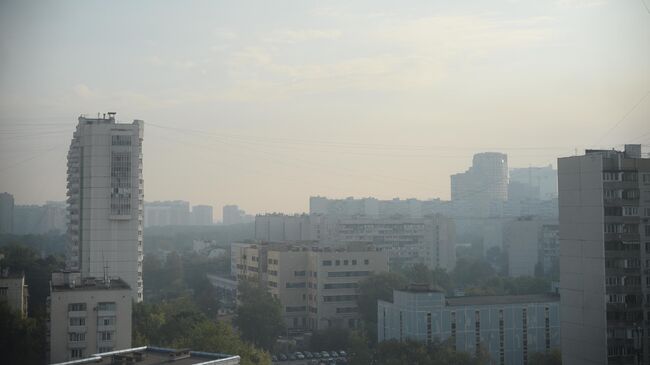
[264,103]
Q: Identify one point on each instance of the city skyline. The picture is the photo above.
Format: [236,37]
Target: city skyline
[349,100]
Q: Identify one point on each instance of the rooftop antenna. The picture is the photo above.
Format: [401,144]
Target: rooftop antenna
[107,280]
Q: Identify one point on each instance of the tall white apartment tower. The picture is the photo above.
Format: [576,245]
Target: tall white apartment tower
[604,200]
[105,200]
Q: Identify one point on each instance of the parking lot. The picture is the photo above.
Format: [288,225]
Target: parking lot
[311,358]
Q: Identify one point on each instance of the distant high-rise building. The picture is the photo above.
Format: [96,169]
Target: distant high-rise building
[373,208]
[202,215]
[39,219]
[604,199]
[233,215]
[105,192]
[167,213]
[480,191]
[6,213]
[543,180]
[532,245]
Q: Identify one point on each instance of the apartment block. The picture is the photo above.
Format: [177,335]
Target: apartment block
[604,198]
[105,200]
[509,327]
[166,213]
[429,240]
[6,213]
[532,245]
[14,290]
[317,286]
[480,191]
[202,215]
[87,316]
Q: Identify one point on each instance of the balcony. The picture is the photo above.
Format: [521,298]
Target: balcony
[101,328]
[77,344]
[77,329]
[76,314]
[106,313]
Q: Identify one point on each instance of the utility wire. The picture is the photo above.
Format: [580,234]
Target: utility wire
[624,117]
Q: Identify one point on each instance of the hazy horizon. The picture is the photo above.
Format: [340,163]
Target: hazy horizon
[265,104]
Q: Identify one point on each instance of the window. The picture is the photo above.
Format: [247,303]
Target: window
[366,262]
[105,349]
[343,274]
[106,335]
[347,310]
[646,178]
[345,262]
[342,286]
[74,336]
[295,309]
[76,307]
[77,321]
[338,262]
[502,358]
[121,140]
[106,306]
[611,176]
[429,332]
[327,262]
[106,321]
[613,228]
[339,298]
[299,273]
[3,291]
[120,183]
[630,211]
[524,319]
[354,262]
[296,285]
[76,353]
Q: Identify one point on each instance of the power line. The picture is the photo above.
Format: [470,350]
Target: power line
[624,117]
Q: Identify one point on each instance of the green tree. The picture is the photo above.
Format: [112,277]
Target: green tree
[22,259]
[258,316]
[394,352]
[359,349]
[330,338]
[470,272]
[180,324]
[552,358]
[376,287]
[22,340]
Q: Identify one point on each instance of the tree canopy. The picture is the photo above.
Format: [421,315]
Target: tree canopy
[180,324]
[258,316]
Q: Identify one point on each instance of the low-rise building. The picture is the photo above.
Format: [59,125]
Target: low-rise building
[510,327]
[317,286]
[87,316]
[13,290]
[150,355]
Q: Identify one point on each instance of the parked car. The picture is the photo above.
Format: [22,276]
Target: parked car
[299,355]
[283,357]
[292,357]
[325,354]
[317,355]
[343,353]
[274,358]
[334,354]
[308,355]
